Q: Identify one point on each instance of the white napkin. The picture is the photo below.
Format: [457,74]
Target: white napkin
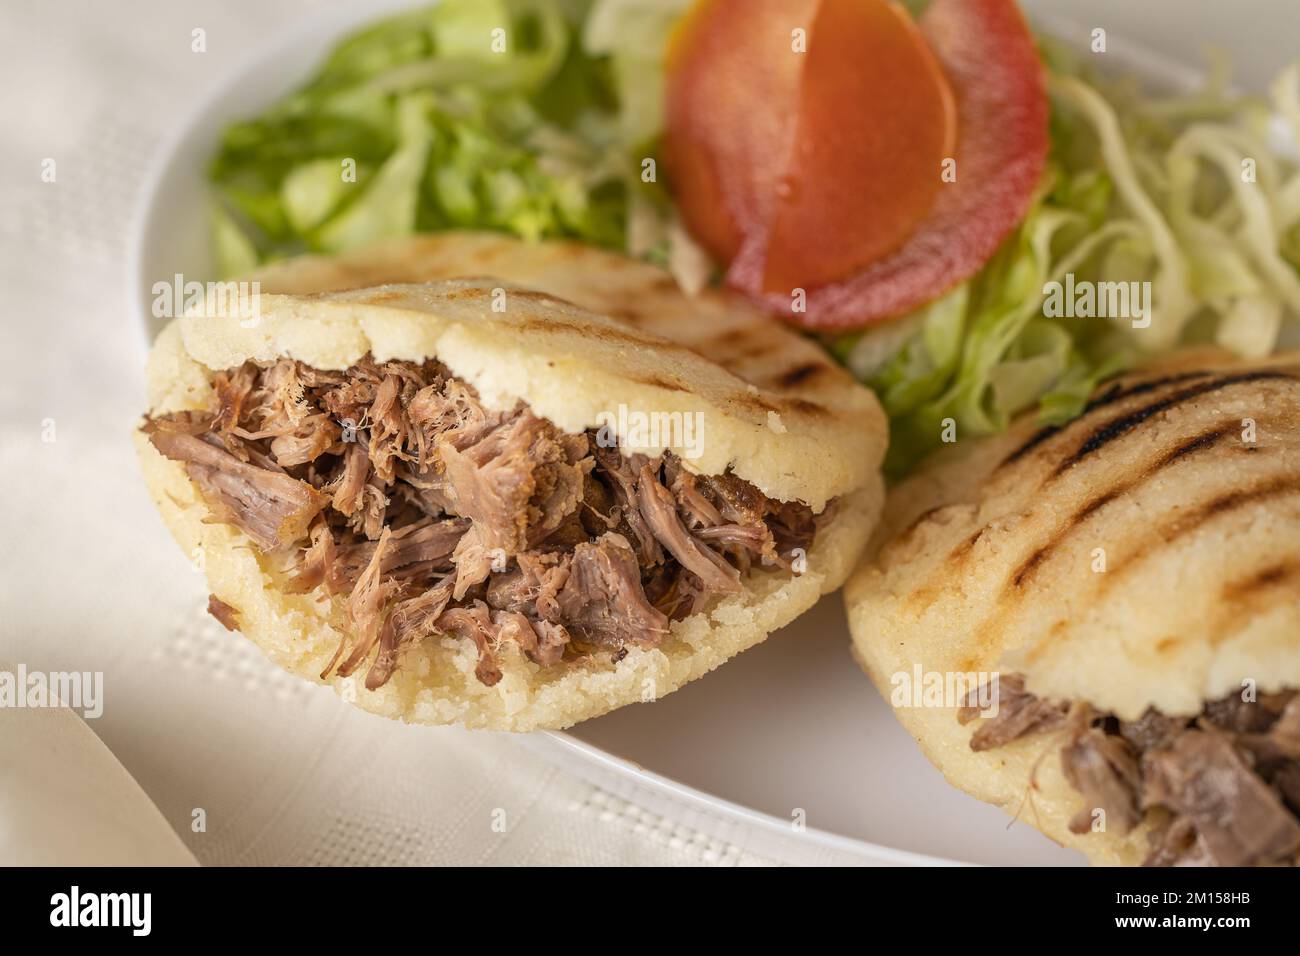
[66,801]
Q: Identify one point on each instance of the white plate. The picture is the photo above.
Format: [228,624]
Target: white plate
[787,750]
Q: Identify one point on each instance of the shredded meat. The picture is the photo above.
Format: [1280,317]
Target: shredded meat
[271,507]
[408,621]
[1224,786]
[602,599]
[1275,746]
[542,641]
[659,509]
[1104,769]
[392,488]
[621,473]
[349,489]
[423,546]
[226,615]
[1240,818]
[1018,713]
[1179,844]
[533,586]
[366,607]
[1152,731]
[474,623]
[516,482]
[315,563]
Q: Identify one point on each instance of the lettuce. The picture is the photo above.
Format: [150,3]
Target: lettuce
[433,120]
[1184,193]
[634,36]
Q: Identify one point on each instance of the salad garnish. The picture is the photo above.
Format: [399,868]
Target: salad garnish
[710,143]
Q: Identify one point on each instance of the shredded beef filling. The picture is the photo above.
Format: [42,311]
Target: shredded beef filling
[425,514]
[1224,785]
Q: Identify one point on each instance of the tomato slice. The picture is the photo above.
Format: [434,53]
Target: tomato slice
[732,95]
[780,173]
[782,117]
[989,55]
[876,120]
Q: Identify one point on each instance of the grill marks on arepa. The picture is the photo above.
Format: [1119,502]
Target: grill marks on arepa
[1065,490]
[1163,396]
[765,380]
[1258,592]
[794,377]
[1145,472]
[1108,396]
[1119,427]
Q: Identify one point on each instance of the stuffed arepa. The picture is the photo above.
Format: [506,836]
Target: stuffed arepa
[714,322]
[1128,585]
[444,500]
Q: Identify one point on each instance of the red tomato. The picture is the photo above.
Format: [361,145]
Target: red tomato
[732,96]
[805,138]
[826,175]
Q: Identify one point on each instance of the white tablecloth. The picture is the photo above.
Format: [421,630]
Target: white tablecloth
[89,579]
[284,771]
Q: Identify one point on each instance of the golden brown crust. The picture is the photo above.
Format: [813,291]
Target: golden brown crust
[1146,554]
[569,366]
[719,325]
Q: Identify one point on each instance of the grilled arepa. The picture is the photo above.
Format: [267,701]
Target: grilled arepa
[716,323]
[1134,578]
[452,502]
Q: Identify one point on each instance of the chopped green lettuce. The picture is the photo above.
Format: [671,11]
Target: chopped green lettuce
[634,35]
[1184,193]
[483,114]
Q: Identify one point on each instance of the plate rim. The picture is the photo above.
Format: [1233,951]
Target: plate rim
[760,832]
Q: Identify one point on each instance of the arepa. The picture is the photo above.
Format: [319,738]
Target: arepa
[817,396]
[427,495]
[1129,583]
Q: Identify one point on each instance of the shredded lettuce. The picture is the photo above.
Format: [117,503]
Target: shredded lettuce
[634,35]
[1186,193]
[486,114]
